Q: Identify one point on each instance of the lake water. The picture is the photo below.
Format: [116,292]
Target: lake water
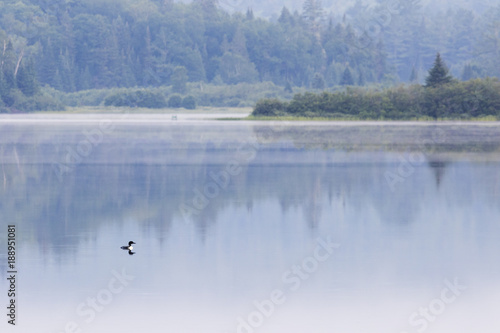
[250,226]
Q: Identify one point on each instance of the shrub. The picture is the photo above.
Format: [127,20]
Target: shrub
[175,101]
[149,99]
[269,108]
[47,103]
[16,101]
[205,94]
[117,99]
[458,100]
[140,98]
[13,98]
[189,103]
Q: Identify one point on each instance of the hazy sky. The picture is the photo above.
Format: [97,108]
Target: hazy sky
[270,8]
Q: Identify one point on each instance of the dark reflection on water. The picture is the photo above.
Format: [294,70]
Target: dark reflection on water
[219,213]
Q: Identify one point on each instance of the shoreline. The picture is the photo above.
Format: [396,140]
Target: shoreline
[218,118]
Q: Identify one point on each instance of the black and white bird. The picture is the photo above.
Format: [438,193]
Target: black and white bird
[129,247]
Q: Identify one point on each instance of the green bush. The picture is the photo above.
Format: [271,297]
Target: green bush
[175,101]
[47,103]
[16,101]
[269,107]
[93,97]
[457,100]
[13,98]
[205,94]
[139,98]
[189,103]
[149,99]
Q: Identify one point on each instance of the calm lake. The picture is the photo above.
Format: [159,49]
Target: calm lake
[250,226]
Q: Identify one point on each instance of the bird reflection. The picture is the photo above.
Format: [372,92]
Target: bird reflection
[130,252]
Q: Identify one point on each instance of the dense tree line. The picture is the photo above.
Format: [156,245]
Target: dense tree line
[19,90]
[458,100]
[269,9]
[442,97]
[411,34]
[148,98]
[79,45]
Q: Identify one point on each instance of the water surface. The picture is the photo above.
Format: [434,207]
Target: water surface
[227,214]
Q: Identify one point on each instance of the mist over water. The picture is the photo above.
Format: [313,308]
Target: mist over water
[262,200]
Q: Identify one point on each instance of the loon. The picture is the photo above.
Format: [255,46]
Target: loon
[129,247]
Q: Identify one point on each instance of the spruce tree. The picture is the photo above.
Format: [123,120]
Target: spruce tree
[86,80]
[467,73]
[438,75]
[57,82]
[313,13]
[250,15]
[26,79]
[285,17]
[179,79]
[318,82]
[347,79]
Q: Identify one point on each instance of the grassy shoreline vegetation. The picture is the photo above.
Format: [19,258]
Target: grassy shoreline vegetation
[441,98]
[354,119]
[472,100]
[241,95]
[112,110]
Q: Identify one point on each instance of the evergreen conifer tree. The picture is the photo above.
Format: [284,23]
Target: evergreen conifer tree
[313,13]
[347,79]
[438,75]
[249,15]
[318,82]
[26,79]
[57,82]
[179,79]
[285,17]
[467,73]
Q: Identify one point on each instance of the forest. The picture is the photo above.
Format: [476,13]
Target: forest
[55,50]
[442,97]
